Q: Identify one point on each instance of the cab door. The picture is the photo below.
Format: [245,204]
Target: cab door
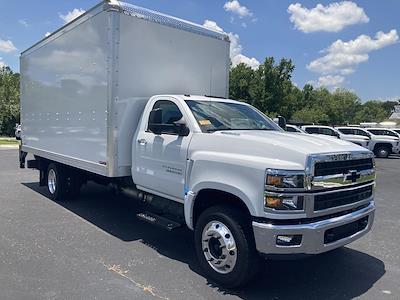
[160,159]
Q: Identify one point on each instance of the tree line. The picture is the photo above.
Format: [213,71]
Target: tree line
[269,88]
[9,101]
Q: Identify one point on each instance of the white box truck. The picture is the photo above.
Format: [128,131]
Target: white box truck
[117,97]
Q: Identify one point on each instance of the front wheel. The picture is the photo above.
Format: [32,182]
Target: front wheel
[225,246]
[382,152]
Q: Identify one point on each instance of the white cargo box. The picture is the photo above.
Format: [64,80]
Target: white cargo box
[84,87]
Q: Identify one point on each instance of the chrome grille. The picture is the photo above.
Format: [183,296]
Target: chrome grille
[342,167]
[341,198]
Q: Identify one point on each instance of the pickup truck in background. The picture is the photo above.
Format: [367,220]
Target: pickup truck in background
[381,144]
[363,141]
[117,97]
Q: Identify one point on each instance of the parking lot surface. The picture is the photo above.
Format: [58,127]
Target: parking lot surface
[95,248]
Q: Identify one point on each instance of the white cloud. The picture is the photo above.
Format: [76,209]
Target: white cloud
[47,34]
[330,80]
[332,18]
[7,46]
[236,8]
[24,23]
[71,15]
[236,53]
[341,57]
[212,25]
[235,48]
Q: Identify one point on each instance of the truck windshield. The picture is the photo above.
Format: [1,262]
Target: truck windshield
[215,116]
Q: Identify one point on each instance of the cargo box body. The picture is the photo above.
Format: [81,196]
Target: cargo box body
[83,89]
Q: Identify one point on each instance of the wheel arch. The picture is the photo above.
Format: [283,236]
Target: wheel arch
[197,202]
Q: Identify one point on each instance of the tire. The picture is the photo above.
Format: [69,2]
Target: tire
[238,265]
[57,182]
[382,152]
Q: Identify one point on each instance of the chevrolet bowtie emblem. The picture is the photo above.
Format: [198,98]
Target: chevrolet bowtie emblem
[352,176]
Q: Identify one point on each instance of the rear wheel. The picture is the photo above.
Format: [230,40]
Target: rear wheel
[382,152]
[225,246]
[56,182]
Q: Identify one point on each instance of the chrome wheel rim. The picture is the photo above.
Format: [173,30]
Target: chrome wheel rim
[51,181]
[219,247]
[383,152]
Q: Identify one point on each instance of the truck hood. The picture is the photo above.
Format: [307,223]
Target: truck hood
[273,148]
[385,138]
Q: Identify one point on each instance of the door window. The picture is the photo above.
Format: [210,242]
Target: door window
[170,114]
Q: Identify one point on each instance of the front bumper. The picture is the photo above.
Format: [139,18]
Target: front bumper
[313,234]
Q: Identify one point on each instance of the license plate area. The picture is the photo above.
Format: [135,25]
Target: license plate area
[337,233]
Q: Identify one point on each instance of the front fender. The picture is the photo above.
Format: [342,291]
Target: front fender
[244,181]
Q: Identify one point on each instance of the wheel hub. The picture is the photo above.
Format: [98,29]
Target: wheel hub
[51,181]
[219,247]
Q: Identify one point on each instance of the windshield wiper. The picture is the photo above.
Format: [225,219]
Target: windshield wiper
[218,129]
[227,128]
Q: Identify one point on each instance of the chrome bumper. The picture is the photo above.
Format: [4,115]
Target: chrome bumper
[313,234]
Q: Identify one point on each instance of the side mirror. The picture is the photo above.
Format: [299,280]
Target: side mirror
[155,121]
[282,122]
[182,128]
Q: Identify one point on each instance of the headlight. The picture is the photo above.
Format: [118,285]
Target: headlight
[282,179]
[277,183]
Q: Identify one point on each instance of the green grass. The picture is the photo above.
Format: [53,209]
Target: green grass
[8,141]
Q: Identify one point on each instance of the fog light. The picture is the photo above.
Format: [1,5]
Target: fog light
[288,240]
[273,202]
[284,202]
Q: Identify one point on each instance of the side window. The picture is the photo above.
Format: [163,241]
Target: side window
[312,129]
[360,132]
[346,130]
[390,133]
[170,114]
[290,129]
[377,132]
[326,131]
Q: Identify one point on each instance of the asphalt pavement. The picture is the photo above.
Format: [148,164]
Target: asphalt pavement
[95,248]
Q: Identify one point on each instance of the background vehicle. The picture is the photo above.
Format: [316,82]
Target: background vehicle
[129,114]
[381,145]
[294,128]
[397,130]
[18,131]
[330,131]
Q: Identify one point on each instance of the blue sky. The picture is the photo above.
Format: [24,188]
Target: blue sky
[308,32]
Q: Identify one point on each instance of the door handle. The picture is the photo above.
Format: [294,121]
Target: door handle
[142,142]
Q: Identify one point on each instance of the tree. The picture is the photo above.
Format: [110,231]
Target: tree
[9,100]
[371,111]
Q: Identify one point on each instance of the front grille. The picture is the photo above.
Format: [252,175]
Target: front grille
[340,198]
[342,167]
[344,231]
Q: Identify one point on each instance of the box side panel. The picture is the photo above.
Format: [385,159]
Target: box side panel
[64,94]
[157,59]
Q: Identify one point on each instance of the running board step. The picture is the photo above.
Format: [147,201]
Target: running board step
[158,220]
